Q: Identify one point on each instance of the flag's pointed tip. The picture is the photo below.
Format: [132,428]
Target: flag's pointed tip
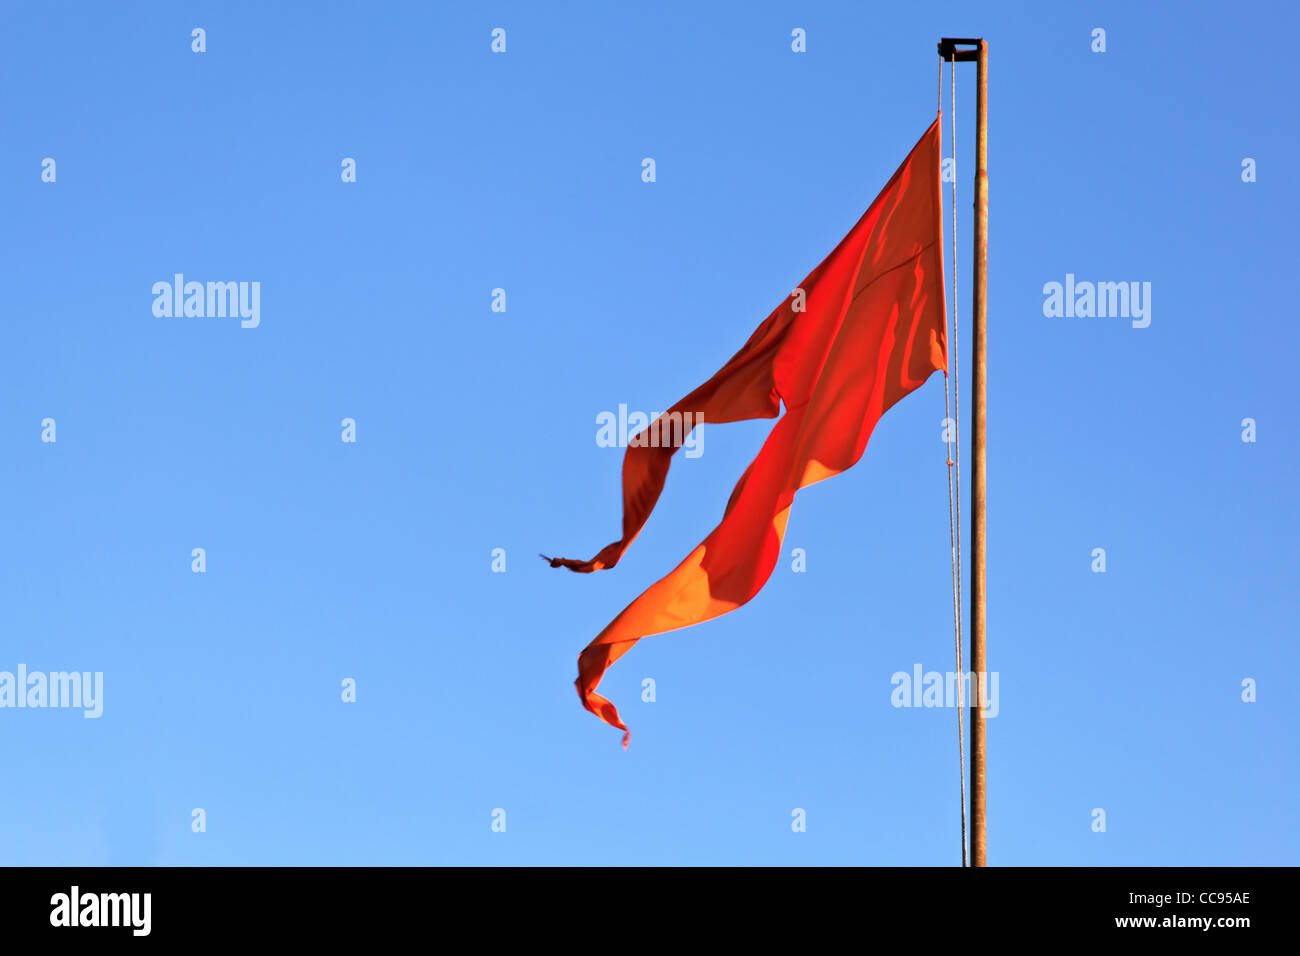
[627,738]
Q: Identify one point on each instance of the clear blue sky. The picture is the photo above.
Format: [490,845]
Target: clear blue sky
[476,430]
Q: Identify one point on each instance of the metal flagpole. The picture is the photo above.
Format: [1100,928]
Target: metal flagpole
[948,49]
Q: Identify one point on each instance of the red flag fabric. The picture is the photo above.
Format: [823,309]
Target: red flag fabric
[868,329]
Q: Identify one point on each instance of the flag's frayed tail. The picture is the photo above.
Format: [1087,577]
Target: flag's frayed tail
[603,709]
[592,664]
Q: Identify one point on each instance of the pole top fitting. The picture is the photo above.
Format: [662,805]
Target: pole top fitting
[948,48]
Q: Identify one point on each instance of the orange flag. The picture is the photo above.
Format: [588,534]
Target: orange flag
[864,329]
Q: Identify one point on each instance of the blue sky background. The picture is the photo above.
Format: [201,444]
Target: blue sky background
[476,430]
